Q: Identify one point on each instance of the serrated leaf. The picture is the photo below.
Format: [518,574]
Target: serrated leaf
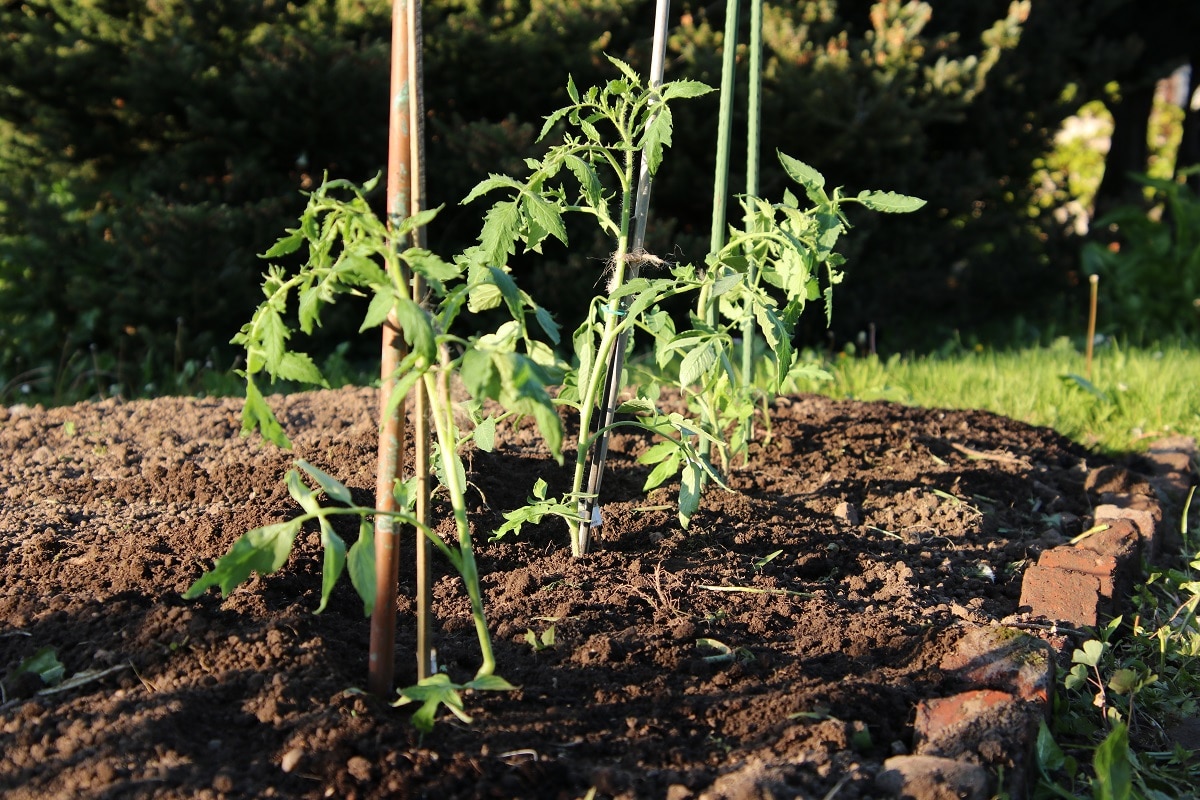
[360,560]
[333,563]
[333,488]
[890,202]
[546,322]
[553,119]
[377,312]
[263,550]
[684,89]
[274,335]
[546,219]
[309,308]
[299,367]
[256,414]
[697,364]
[589,183]
[657,137]
[285,246]
[415,221]
[626,70]
[501,229]
[490,184]
[800,172]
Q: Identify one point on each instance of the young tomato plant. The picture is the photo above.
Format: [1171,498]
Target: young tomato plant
[765,275]
[607,128]
[346,246]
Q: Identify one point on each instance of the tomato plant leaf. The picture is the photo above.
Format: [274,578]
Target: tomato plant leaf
[697,364]
[263,550]
[333,488]
[890,202]
[256,414]
[690,485]
[360,560]
[684,89]
[377,311]
[657,137]
[299,367]
[285,245]
[333,563]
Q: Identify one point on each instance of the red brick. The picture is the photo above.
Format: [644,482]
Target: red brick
[1080,559]
[1005,659]
[933,778]
[1063,595]
[1115,480]
[986,726]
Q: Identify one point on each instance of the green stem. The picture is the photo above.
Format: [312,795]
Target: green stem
[437,385]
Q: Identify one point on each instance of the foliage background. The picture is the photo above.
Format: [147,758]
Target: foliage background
[150,148]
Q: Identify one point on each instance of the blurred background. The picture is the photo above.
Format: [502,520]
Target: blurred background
[149,149]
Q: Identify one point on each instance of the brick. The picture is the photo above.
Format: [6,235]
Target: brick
[1145,531]
[1115,480]
[1063,595]
[1004,659]
[933,778]
[986,726]
[1079,559]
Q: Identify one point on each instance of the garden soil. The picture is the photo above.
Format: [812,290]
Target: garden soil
[827,583]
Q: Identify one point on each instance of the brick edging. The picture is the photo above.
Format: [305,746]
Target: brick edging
[1004,676]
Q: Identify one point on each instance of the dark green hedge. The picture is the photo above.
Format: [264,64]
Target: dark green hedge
[149,149]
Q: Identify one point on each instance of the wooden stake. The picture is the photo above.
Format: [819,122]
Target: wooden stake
[1094,280]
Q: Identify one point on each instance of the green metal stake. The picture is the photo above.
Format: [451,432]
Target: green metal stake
[753,139]
[705,309]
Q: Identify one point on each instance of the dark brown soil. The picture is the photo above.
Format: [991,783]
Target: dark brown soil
[889,523]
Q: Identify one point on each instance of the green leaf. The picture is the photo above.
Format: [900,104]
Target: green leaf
[479,375]
[1093,650]
[490,184]
[263,550]
[334,561]
[274,337]
[301,493]
[432,692]
[1114,775]
[501,229]
[361,562]
[45,665]
[697,364]
[299,367]
[333,488]
[589,183]
[545,219]
[800,172]
[626,70]
[690,486]
[657,137]
[285,246]
[546,322]
[417,329]
[491,683]
[484,435]
[684,89]
[890,202]
[377,312]
[256,414]
[665,469]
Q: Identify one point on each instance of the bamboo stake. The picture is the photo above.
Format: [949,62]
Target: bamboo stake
[1094,280]
[616,360]
[392,433]
[421,434]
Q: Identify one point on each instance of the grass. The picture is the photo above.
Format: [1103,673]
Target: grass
[1120,697]
[1135,395]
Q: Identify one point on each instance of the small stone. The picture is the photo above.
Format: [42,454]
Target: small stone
[290,759]
[846,512]
[359,768]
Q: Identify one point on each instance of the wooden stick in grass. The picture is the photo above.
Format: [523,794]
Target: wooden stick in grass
[1094,280]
